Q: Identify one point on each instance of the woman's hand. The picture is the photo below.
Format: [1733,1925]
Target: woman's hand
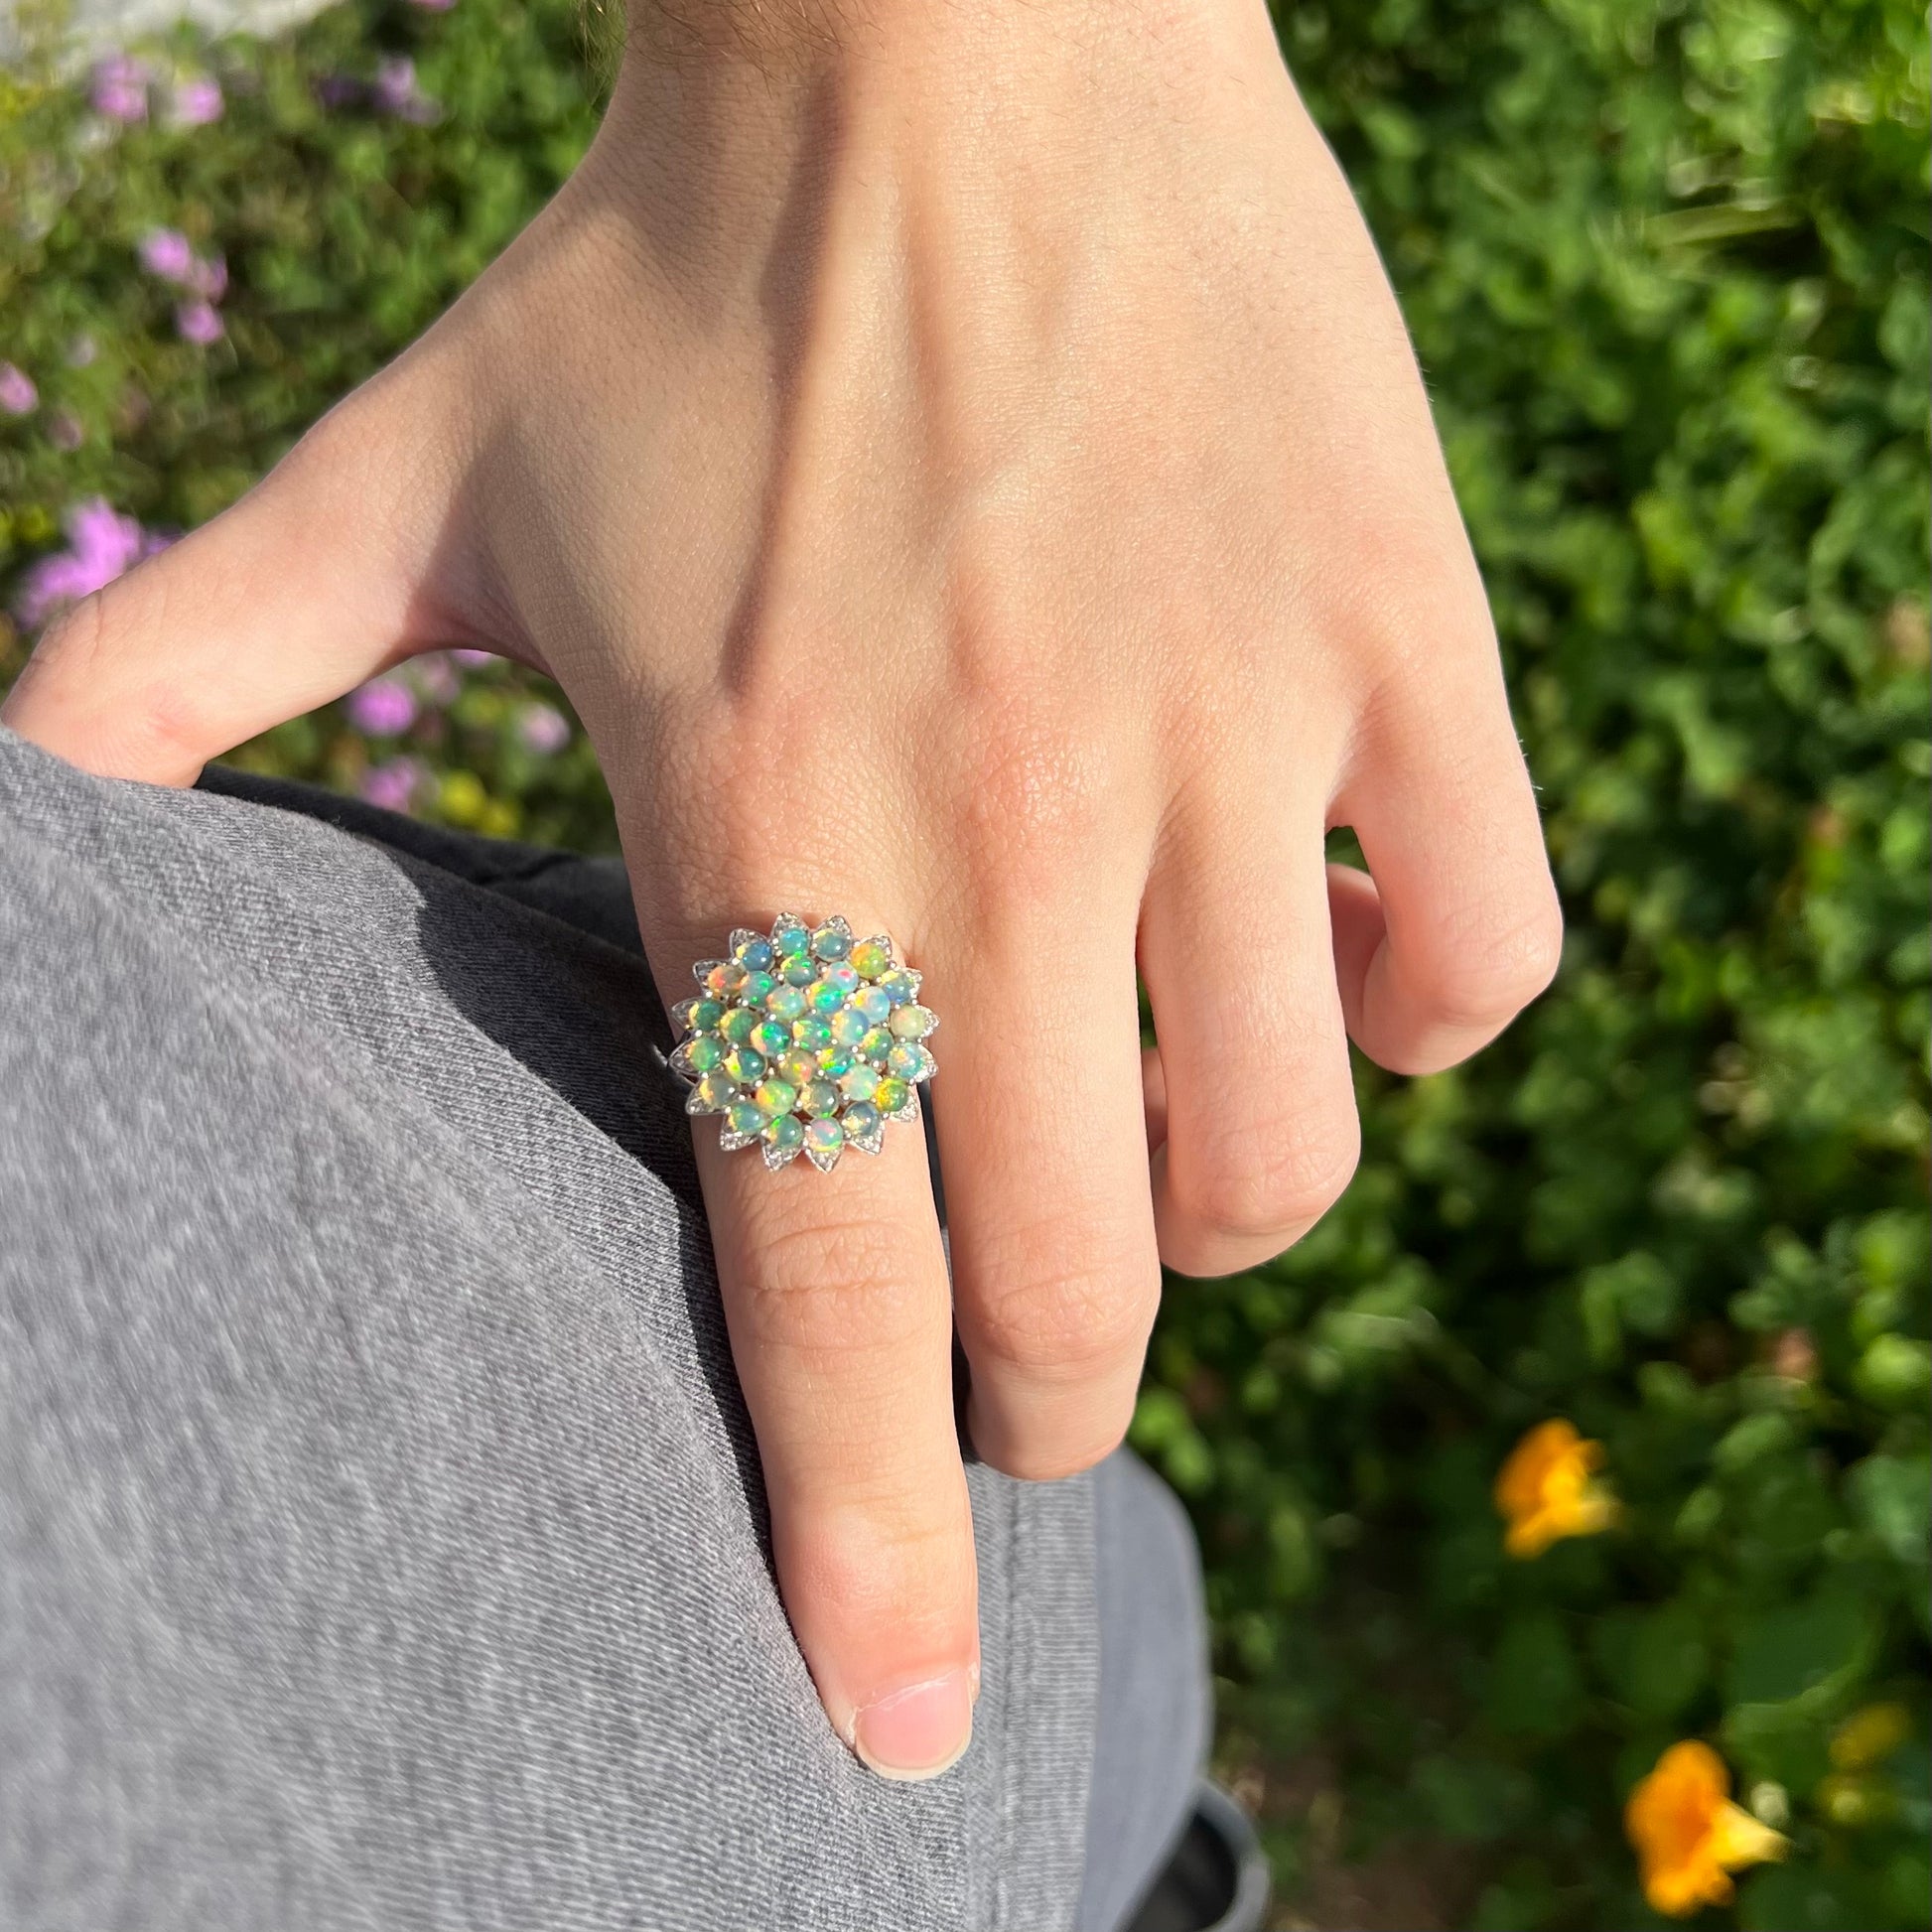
[969,472]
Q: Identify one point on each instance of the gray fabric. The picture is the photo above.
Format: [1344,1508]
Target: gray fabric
[1154,1712]
[380,1538]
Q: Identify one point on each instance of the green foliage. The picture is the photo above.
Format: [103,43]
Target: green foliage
[1666,265]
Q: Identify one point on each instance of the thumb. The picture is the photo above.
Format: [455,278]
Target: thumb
[343,561]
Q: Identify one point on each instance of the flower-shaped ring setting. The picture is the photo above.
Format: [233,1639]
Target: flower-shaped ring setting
[806,1041]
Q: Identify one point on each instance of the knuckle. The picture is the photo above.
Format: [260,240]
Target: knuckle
[1272,1181]
[1491,974]
[1411,584]
[1070,1319]
[1032,795]
[121,707]
[78,637]
[735,795]
[833,1287]
[741,763]
[168,733]
[884,1570]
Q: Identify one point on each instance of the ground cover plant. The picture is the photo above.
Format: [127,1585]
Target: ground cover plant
[1574,1471]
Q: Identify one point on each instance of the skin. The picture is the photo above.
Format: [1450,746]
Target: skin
[966,466]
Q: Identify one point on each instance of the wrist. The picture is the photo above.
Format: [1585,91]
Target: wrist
[736,86]
[975,131]
[782,38]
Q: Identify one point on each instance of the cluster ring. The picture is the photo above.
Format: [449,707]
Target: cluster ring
[806,1041]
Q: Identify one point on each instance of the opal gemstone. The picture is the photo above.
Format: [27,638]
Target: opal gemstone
[785,1002]
[775,1097]
[910,1062]
[745,1065]
[806,1040]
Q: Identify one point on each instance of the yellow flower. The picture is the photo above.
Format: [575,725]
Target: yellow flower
[1689,1836]
[1545,1489]
[1870,1736]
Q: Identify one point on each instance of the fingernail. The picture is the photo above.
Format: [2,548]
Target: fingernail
[919,1732]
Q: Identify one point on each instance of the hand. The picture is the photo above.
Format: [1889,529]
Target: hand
[969,473]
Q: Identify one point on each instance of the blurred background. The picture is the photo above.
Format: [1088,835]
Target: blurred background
[1594,1419]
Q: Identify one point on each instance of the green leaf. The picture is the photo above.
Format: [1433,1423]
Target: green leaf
[1470,1798]
[1896,1371]
[1891,1496]
[1665,1662]
[1800,1650]
[1800,1897]
[1536,1688]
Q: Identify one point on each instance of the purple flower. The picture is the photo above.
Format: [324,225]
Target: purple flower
[17,392]
[195,101]
[207,276]
[543,728]
[473,660]
[384,708]
[118,88]
[167,252]
[339,90]
[102,543]
[63,430]
[198,322]
[435,678]
[392,785]
[395,83]
[395,91]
